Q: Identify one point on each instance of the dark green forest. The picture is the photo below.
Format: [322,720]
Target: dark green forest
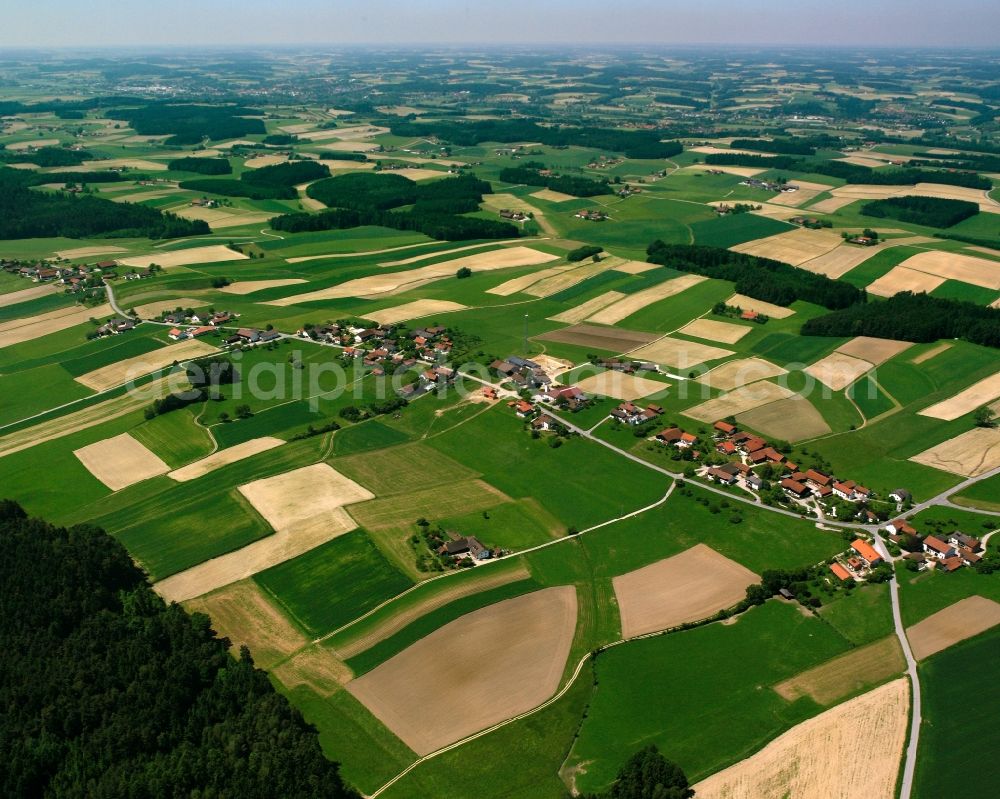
[107,692]
[931,211]
[912,317]
[760,278]
[46,157]
[275,182]
[191,123]
[203,166]
[530,175]
[26,213]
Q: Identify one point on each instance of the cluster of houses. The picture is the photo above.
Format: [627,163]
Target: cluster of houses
[461,546]
[204,202]
[194,325]
[603,162]
[857,565]
[627,191]
[626,366]
[769,185]
[592,215]
[945,552]
[115,326]
[526,375]
[75,278]
[630,413]
[248,336]
[809,221]
[540,421]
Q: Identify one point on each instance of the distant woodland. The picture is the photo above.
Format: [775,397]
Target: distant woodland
[760,278]
[26,213]
[275,182]
[107,692]
[530,174]
[931,211]
[368,199]
[191,123]
[912,317]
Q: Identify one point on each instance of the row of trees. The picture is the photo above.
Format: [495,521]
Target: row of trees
[108,692]
[530,174]
[912,317]
[760,278]
[33,214]
[632,143]
[852,173]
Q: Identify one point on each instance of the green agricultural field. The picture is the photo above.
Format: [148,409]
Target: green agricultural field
[870,398]
[176,437]
[984,494]
[334,583]
[733,229]
[654,690]
[862,616]
[952,713]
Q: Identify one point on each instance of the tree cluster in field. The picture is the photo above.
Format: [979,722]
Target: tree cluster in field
[311,431]
[28,214]
[203,166]
[353,413]
[930,211]
[852,173]
[647,775]
[760,278]
[107,691]
[280,139]
[81,178]
[275,182]
[530,175]
[367,199]
[912,317]
[191,123]
[174,402]
[632,143]
[586,251]
[46,157]
[679,99]
[785,146]
[212,372]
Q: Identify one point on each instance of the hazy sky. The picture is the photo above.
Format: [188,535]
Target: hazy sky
[973,23]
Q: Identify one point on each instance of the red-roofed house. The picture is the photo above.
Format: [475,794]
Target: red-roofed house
[725,428]
[840,572]
[524,409]
[795,488]
[867,552]
[937,548]
[901,527]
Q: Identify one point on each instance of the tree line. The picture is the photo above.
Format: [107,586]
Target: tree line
[275,182]
[108,692]
[632,143]
[851,173]
[930,211]
[26,214]
[912,317]
[760,278]
[530,174]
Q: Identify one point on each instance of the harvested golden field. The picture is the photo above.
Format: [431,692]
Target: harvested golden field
[15,297]
[32,144]
[518,284]
[830,205]
[606,338]
[117,374]
[418,174]
[899,278]
[452,592]
[588,308]
[317,668]
[339,164]
[955,623]
[425,256]
[970,454]
[621,386]
[242,287]
[710,329]
[807,191]
[709,149]
[640,299]
[766,308]
[979,393]
[956,266]
[739,400]
[88,252]
[413,310]
[679,353]
[210,254]
[837,370]
[150,310]
[117,163]
[844,675]
[432,693]
[928,354]
[553,284]
[866,192]
[265,160]
[793,247]
[349,146]
[244,614]
[222,218]
[305,508]
[741,372]
[742,171]
[88,417]
[17,331]
[687,587]
[120,461]
[553,196]
[792,419]
[838,262]
[851,751]
[224,457]
[874,350]
[634,267]
[397,282]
